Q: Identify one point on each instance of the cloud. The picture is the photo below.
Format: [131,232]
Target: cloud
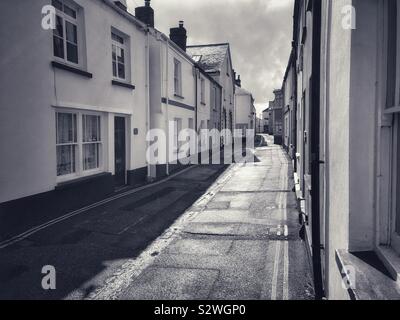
[259,32]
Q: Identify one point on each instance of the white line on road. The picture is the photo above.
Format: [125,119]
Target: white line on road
[286,271]
[26,234]
[276,269]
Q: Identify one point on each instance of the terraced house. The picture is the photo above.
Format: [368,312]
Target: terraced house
[106,77]
[74,108]
[345,61]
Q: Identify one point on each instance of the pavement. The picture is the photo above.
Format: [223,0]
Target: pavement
[212,232]
[239,241]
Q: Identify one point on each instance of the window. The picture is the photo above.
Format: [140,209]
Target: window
[118,56]
[65,35]
[203,91]
[177,77]
[67,142]
[177,130]
[79,145]
[91,142]
[197,58]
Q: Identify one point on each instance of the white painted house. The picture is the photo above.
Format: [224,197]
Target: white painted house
[73,106]
[216,60]
[245,110]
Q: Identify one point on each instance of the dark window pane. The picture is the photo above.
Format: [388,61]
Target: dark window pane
[121,55]
[59,31]
[114,53]
[70,12]
[121,71]
[392,52]
[57,4]
[71,31]
[117,38]
[114,65]
[58,45]
[72,53]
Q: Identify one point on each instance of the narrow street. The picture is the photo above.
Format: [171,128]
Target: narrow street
[238,240]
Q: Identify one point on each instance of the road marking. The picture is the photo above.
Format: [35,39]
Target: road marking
[286,271]
[26,234]
[276,269]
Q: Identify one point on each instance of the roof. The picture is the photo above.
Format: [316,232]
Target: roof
[241,91]
[210,57]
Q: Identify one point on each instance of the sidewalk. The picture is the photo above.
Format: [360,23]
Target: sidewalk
[239,241]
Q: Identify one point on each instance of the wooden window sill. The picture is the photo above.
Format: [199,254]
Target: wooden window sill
[72,69]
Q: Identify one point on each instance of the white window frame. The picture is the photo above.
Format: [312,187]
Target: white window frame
[127,57]
[177,77]
[76,22]
[79,165]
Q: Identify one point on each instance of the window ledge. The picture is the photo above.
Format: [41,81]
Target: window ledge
[72,69]
[391,260]
[368,278]
[79,181]
[123,84]
[178,96]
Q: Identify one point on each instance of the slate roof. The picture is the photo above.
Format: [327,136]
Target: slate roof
[212,56]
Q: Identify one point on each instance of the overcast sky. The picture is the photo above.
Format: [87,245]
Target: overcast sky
[259,32]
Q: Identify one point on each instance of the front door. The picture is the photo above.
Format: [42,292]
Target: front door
[120,151]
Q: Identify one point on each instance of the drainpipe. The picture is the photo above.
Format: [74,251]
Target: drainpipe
[148,119]
[167,101]
[315,152]
[196,106]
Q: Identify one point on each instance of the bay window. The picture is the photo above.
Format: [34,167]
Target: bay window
[79,144]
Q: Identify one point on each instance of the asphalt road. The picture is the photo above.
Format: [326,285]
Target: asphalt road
[88,248]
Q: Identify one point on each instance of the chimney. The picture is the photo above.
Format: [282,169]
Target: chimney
[179,36]
[121,4]
[238,81]
[145,14]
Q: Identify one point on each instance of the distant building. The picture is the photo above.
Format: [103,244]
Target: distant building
[245,110]
[215,59]
[266,115]
[276,117]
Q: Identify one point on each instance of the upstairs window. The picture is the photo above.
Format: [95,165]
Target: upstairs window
[177,77]
[203,91]
[65,35]
[118,56]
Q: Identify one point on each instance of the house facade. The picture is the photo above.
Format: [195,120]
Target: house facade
[80,121]
[347,178]
[244,110]
[276,117]
[265,120]
[215,59]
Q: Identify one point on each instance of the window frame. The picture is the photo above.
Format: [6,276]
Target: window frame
[74,21]
[127,55]
[80,172]
[178,77]
[390,132]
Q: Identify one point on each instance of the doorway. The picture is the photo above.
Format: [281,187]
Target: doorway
[120,151]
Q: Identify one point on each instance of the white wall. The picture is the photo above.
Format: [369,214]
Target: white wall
[31,88]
